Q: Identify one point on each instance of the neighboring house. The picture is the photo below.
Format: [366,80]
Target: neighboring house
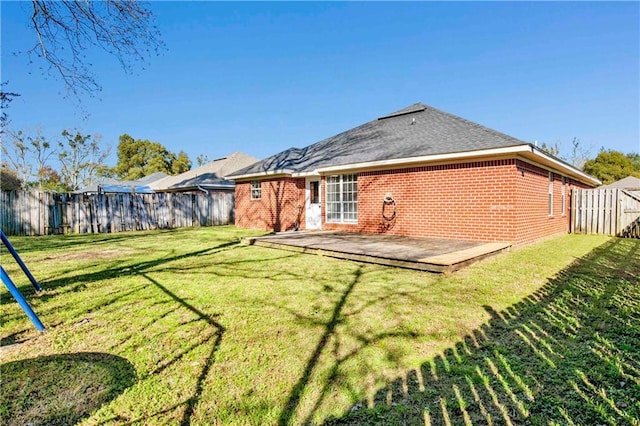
[206,178]
[630,184]
[418,171]
[114,186]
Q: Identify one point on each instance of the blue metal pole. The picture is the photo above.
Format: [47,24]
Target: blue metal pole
[15,255]
[21,300]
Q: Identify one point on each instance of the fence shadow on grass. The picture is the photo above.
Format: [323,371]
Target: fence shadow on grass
[331,340]
[61,389]
[569,353]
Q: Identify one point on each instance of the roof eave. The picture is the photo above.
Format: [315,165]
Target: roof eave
[195,187]
[265,174]
[551,162]
[412,161]
[524,150]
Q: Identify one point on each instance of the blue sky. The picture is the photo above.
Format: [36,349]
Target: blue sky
[263,77]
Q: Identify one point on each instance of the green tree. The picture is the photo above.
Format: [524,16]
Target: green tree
[610,166]
[138,158]
[50,180]
[635,159]
[181,164]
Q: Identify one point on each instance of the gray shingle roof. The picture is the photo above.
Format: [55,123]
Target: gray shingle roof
[212,174]
[114,185]
[630,182]
[414,131]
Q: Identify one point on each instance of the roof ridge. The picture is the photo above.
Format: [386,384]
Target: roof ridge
[476,125]
[417,107]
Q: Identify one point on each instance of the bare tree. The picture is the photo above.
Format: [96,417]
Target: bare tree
[65,30]
[202,159]
[579,153]
[553,149]
[5,100]
[16,152]
[81,158]
[27,154]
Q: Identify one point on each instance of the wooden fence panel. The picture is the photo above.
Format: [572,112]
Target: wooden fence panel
[607,211]
[41,213]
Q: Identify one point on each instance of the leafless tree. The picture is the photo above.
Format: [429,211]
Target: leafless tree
[579,153]
[26,153]
[66,30]
[5,100]
[81,158]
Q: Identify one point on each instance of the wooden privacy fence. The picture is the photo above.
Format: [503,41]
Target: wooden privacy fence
[42,213]
[606,211]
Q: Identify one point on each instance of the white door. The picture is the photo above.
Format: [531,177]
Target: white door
[312,202]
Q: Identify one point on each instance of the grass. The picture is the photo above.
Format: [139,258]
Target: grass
[189,327]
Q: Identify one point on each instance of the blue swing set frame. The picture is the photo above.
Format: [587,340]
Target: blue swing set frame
[12,287]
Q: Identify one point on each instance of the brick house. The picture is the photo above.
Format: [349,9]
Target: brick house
[418,171]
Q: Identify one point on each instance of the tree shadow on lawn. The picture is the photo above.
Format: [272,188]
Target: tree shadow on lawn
[61,389]
[211,338]
[116,269]
[569,353]
[113,269]
[207,336]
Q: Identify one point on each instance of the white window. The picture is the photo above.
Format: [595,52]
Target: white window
[563,193]
[342,199]
[550,194]
[256,190]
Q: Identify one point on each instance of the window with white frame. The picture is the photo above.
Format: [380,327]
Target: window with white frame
[563,194]
[550,194]
[342,199]
[256,190]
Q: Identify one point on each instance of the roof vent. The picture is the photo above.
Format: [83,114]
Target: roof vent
[413,121]
[408,110]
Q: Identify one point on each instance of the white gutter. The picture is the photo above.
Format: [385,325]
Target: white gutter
[527,151]
[425,159]
[537,152]
[273,173]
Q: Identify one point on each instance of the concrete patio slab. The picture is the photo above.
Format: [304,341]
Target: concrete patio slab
[425,254]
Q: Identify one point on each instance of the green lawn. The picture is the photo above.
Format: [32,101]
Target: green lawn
[190,327]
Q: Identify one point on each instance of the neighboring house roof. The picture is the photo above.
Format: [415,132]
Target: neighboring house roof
[630,182]
[8,182]
[415,134]
[153,177]
[110,185]
[208,176]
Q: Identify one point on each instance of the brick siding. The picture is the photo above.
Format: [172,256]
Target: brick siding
[280,208]
[469,201]
[498,200]
[533,220]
